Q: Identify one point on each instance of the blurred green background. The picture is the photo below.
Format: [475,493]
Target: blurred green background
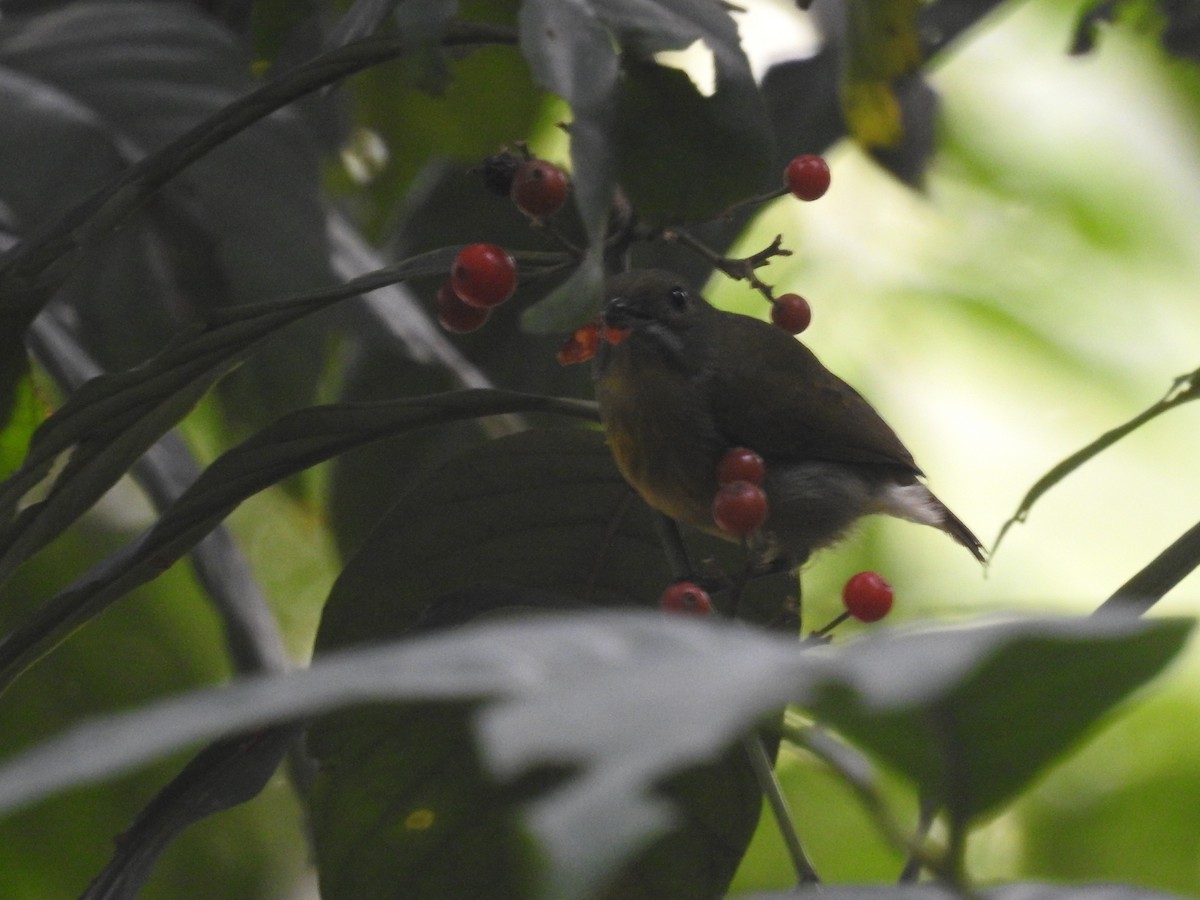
[1042,291]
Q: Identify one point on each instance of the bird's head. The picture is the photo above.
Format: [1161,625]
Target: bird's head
[660,311]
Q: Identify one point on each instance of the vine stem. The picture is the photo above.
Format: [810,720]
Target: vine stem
[857,772]
[764,771]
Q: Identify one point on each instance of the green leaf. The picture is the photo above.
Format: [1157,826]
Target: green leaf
[541,510]
[112,420]
[30,272]
[973,715]
[614,703]
[24,412]
[55,848]
[683,156]
[224,774]
[571,303]
[295,442]
[537,520]
[579,686]
[642,124]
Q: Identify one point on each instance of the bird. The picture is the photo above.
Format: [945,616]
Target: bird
[689,381]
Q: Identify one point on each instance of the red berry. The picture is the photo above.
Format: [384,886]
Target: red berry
[739,508]
[686,597]
[867,597]
[741,464]
[791,312]
[458,316]
[483,275]
[807,176]
[539,188]
[580,346]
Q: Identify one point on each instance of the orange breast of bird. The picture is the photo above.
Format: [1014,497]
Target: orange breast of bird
[661,437]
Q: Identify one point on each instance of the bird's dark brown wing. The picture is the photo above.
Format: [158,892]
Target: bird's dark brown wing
[782,402]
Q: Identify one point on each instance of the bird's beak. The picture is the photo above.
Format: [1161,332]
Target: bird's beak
[618,313]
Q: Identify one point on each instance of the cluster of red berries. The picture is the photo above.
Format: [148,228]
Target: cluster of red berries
[482,276]
[485,275]
[740,508]
[740,505]
[866,596]
[536,187]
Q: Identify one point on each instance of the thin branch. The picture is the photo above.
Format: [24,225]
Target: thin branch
[1183,389]
[673,547]
[857,772]
[737,268]
[1148,586]
[764,771]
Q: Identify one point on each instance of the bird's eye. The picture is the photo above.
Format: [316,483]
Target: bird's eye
[679,298]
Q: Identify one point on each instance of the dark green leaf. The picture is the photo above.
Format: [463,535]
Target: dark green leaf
[164,473]
[573,302]
[616,702]
[112,420]
[535,520]
[630,699]
[31,271]
[569,48]
[148,72]
[297,441]
[224,774]
[675,145]
[974,714]
[541,510]
[641,123]
[245,222]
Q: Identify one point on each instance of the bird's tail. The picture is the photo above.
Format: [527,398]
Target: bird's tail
[915,502]
[953,526]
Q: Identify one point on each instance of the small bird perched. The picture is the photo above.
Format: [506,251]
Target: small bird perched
[690,382]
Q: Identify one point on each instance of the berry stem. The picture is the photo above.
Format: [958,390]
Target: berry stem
[756,200]
[860,775]
[821,632]
[566,243]
[915,864]
[743,578]
[673,547]
[737,268]
[764,771]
